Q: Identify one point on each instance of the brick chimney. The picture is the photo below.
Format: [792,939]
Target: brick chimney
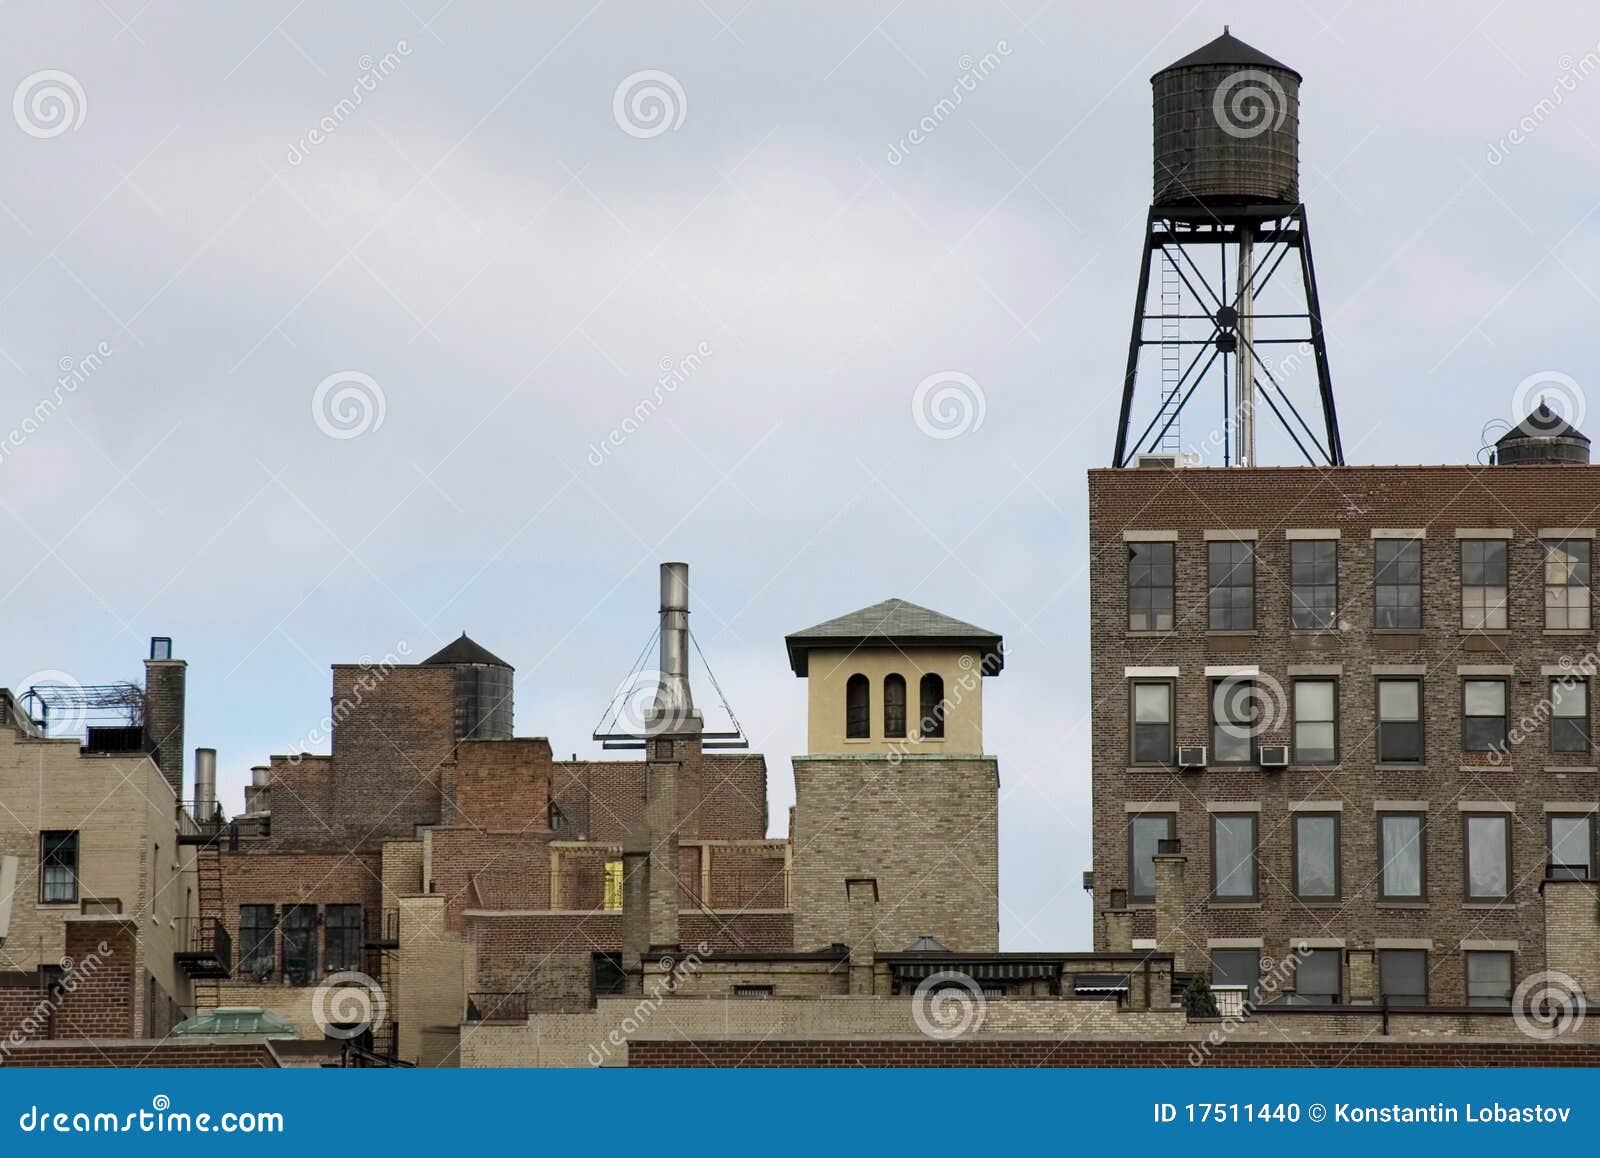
[1171,904]
[661,819]
[164,683]
[636,846]
[861,893]
[1119,923]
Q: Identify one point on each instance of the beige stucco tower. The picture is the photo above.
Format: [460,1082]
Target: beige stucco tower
[895,786]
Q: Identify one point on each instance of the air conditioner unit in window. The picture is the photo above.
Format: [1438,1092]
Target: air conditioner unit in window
[1191,755]
[1274,755]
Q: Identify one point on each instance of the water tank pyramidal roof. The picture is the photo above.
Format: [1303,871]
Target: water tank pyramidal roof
[484,684]
[1227,128]
[1544,437]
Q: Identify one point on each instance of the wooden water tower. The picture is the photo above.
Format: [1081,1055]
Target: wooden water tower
[1225,215]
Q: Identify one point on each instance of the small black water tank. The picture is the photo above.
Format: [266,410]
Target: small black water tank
[484,684]
[1544,437]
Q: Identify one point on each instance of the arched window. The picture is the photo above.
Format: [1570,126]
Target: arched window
[857,708]
[933,707]
[894,706]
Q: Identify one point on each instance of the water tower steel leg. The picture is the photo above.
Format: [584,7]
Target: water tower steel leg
[1147,248]
[1245,405]
[1319,346]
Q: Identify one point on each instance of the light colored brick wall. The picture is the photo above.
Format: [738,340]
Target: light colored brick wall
[1572,934]
[433,965]
[925,827]
[829,670]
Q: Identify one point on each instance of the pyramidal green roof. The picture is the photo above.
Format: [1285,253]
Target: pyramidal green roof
[895,623]
[249,1019]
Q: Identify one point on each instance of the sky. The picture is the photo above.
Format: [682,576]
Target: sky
[381,322]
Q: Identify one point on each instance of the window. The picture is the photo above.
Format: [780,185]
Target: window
[1313,583]
[1150,586]
[1146,831]
[1571,848]
[1233,721]
[1488,859]
[1237,969]
[299,944]
[1399,721]
[611,897]
[1566,585]
[1489,979]
[1318,975]
[857,708]
[1483,584]
[1316,735]
[1233,855]
[1316,855]
[933,707]
[894,706]
[1231,580]
[1397,583]
[1401,852]
[257,949]
[1569,715]
[756,991]
[1152,723]
[1403,976]
[58,868]
[1483,715]
[341,938]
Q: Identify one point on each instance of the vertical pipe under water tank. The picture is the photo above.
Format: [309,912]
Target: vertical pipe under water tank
[1245,390]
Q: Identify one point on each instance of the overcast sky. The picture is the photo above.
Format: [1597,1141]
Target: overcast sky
[492,258]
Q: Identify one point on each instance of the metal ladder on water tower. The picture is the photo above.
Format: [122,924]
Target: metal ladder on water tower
[1171,370]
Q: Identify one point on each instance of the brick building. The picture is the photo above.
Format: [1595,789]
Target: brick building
[1343,714]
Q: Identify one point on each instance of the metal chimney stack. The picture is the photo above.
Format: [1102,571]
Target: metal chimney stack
[205,783]
[673,711]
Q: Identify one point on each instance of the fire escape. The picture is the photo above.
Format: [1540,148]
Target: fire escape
[378,959]
[205,948]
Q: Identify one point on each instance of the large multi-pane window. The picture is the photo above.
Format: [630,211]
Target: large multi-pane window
[1318,976]
[1313,583]
[1571,847]
[58,868]
[1316,856]
[1403,976]
[1487,837]
[1233,855]
[1400,852]
[1397,583]
[1399,721]
[341,937]
[1234,711]
[1152,722]
[1316,735]
[1231,585]
[258,957]
[1150,571]
[1566,584]
[1569,715]
[1483,715]
[1483,584]
[299,944]
[1146,831]
[1489,978]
